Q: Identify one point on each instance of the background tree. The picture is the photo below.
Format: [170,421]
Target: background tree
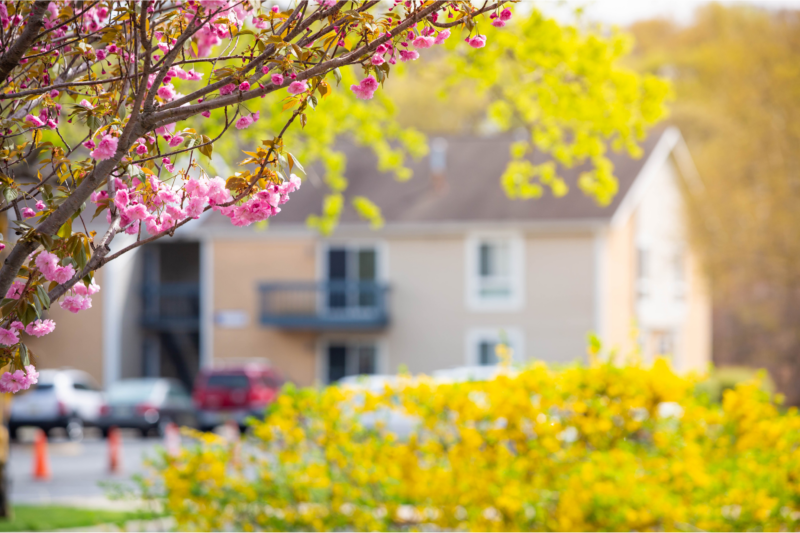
[737,85]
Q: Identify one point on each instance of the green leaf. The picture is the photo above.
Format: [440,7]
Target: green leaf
[9,194]
[65,231]
[24,356]
[43,296]
[208,149]
[294,162]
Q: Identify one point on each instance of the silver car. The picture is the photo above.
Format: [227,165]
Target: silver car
[66,398]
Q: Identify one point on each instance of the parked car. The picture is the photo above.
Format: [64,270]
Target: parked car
[66,398]
[147,404]
[234,393]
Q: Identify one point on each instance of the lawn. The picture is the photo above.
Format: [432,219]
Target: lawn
[51,517]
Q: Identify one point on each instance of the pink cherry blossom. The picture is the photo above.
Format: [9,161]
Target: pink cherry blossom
[34,120]
[27,212]
[15,382]
[8,337]
[136,212]
[408,55]
[32,374]
[89,144]
[167,92]
[297,87]
[505,15]
[141,149]
[122,198]
[105,149]
[176,141]
[244,86]
[277,79]
[40,205]
[366,88]
[15,291]
[244,122]
[423,42]
[85,103]
[479,41]
[19,326]
[497,23]
[40,328]
[227,89]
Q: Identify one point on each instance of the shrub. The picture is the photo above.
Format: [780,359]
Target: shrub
[727,377]
[581,448]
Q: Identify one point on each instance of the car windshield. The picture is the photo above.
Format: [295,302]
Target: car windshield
[227,381]
[42,387]
[131,391]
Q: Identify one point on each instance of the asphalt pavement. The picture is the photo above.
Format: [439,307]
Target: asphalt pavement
[78,469]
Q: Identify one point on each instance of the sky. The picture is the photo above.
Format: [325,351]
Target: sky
[624,12]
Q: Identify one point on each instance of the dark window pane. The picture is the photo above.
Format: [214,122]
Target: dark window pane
[366,360]
[485,260]
[80,386]
[337,272]
[366,265]
[486,353]
[337,362]
[228,381]
[337,263]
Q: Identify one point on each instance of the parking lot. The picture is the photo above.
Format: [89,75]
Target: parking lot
[78,469]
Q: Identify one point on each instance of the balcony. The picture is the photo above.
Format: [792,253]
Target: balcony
[171,306]
[329,305]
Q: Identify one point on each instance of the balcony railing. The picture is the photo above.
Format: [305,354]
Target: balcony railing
[171,306]
[326,305]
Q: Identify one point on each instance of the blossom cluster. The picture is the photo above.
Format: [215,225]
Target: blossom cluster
[18,380]
[81,54]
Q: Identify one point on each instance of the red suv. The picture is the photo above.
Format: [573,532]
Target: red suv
[234,393]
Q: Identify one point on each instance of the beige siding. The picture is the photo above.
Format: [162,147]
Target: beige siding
[620,279]
[696,338]
[77,341]
[431,321]
[239,266]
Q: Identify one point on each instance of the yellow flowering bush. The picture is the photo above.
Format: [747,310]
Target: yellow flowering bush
[599,447]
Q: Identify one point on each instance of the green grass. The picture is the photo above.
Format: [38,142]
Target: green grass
[51,517]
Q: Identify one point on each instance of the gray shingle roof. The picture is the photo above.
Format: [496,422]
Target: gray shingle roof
[473,192]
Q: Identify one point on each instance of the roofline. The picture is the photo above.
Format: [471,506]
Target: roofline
[666,144]
[669,141]
[588,226]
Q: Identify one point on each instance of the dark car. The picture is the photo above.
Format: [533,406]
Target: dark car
[147,404]
[233,394]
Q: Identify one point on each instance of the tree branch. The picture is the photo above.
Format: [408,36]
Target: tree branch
[15,52]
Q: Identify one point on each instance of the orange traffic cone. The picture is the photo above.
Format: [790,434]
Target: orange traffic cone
[41,463]
[172,439]
[114,451]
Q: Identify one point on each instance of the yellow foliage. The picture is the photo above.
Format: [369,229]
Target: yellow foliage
[601,447]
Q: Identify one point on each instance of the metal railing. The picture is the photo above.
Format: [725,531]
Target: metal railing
[171,306]
[325,305]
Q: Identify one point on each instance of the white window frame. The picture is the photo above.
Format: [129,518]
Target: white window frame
[516,300]
[514,336]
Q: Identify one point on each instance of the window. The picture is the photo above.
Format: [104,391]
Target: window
[352,273]
[483,344]
[351,359]
[643,271]
[495,272]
